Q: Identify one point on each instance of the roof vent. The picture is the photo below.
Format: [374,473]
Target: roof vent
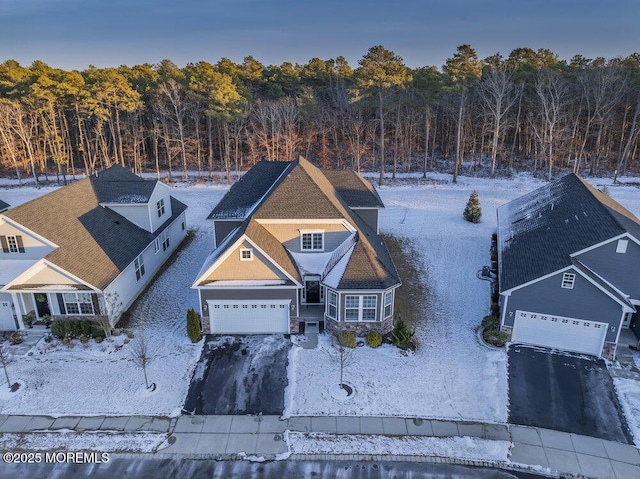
[551,206]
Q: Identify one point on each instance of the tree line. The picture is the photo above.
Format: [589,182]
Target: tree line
[528,111]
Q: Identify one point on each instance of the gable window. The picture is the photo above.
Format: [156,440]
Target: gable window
[246,254]
[312,241]
[165,241]
[138,264]
[76,303]
[567,280]
[12,244]
[622,246]
[388,300]
[160,207]
[332,304]
[360,308]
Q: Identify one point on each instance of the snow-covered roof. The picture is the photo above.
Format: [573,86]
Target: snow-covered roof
[332,279]
[247,282]
[311,263]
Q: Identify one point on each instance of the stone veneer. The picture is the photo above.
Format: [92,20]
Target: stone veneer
[508,330]
[205,324]
[360,329]
[294,325]
[609,351]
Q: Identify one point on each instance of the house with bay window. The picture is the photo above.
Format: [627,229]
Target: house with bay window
[87,249]
[295,245]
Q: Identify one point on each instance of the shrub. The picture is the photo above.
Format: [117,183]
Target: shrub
[194,330]
[495,337]
[401,335]
[57,329]
[472,211]
[98,339]
[62,328]
[373,339]
[16,337]
[490,321]
[346,339]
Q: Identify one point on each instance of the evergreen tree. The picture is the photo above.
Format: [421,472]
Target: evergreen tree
[194,330]
[472,211]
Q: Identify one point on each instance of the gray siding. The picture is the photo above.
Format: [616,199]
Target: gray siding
[585,301]
[370,216]
[619,269]
[249,294]
[223,228]
[332,239]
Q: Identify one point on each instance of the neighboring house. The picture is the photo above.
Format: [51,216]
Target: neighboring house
[294,245]
[87,249]
[3,206]
[569,263]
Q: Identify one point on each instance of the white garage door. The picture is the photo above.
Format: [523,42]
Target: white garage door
[570,334]
[6,313]
[249,317]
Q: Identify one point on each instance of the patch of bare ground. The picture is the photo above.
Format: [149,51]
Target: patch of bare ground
[410,297]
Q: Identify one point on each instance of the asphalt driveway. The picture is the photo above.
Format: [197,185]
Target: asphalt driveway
[565,392]
[240,375]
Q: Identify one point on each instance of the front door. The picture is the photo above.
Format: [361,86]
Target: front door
[312,292]
[42,304]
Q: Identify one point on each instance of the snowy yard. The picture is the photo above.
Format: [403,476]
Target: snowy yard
[451,375]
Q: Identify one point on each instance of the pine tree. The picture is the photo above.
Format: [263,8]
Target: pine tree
[194,330]
[472,211]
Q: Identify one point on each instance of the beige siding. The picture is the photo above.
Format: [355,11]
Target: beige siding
[34,248]
[49,276]
[289,234]
[234,269]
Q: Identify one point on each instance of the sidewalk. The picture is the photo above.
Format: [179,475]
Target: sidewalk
[235,437]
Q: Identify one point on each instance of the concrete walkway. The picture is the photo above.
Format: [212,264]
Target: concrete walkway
[233,437]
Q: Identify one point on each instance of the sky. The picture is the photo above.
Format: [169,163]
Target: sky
[73,34]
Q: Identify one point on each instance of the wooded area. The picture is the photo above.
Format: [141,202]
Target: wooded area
[529,111]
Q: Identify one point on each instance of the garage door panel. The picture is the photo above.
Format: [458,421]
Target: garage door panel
[7,322]
[571,334]
[249,317]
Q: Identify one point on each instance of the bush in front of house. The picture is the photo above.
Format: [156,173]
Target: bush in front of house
[346,339]
[491,331]
[194,330]
[72,329]
[472,211]
[401,335]
[373,339]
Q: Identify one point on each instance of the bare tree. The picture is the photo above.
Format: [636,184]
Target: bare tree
[142,355]
[5,358]
[345,352]
[552,92]
[498,95]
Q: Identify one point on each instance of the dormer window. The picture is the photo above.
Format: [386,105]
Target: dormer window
[312,240]
[160,207]
[246,254]
[567,280]
[12,244]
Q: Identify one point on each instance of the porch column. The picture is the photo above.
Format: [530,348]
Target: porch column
[18,306]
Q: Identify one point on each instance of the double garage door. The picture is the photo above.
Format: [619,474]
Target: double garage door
[558,332]
[249,317]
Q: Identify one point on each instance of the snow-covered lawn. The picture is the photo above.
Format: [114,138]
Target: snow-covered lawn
[451,375]
[628,391]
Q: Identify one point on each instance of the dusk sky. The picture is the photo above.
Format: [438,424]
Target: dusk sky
[73,34]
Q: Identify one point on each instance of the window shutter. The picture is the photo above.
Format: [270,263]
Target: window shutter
[5,245]
[20,244]
[61,303]
[96,304]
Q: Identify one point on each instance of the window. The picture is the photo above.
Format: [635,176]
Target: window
[138,264]
[246,254]
[160,207]
[182,225]
[77,303]
[352,308]
[567,280]
[165,241]
[622,246]
[156,245]
[360,308]
[332,304]
[388,303]
[12,244]
[312,241]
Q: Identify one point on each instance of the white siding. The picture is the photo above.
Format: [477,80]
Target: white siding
[137,214]
[161,191]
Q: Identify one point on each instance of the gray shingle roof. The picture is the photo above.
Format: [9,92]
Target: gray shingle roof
[354,189]
[118,185]
[94,243]
[3,205]
[539,231]
[248,190]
